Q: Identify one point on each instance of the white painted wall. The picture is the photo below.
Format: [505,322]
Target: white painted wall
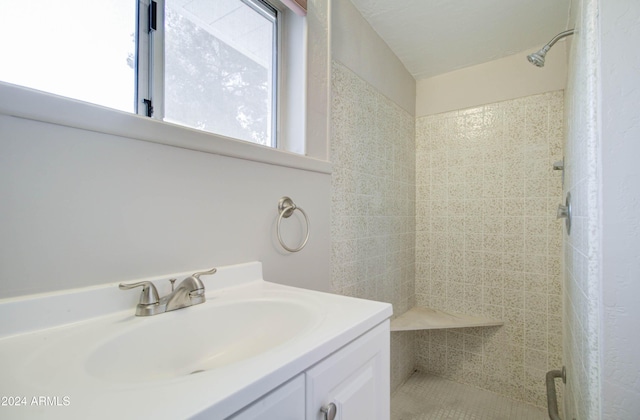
[355,44]
[620,148]
[81,207]
[500,80]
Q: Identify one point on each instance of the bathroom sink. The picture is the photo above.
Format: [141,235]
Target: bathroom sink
[86,352]
[198,339]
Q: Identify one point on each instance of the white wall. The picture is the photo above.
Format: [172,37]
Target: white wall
[81,208]
[355,44]
[499,80]
[620,148]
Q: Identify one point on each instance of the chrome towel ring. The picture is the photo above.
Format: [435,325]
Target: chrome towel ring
[286,207]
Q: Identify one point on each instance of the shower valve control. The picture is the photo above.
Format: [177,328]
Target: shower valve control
[564,212]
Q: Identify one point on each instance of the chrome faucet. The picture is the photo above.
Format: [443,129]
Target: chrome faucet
[188,293]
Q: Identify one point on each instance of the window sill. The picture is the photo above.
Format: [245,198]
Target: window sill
[34,105]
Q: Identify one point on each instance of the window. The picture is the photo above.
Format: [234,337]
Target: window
[76,48]
[220,67]
[211,65]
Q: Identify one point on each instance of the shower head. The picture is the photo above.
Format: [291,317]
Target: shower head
[537,58]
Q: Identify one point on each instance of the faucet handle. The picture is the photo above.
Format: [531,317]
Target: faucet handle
[204,273]
[149,295]
[198,291]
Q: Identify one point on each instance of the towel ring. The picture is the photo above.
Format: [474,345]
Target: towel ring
[286,207]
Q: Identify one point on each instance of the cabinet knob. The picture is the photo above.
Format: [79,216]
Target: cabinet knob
[329,411]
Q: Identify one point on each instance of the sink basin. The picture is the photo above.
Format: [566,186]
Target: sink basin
[199,338]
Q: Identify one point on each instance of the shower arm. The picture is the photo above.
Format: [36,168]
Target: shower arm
[558,38]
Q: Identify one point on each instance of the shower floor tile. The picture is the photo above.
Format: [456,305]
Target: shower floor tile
[428,397]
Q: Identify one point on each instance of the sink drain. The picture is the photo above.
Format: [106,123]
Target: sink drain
[196,371]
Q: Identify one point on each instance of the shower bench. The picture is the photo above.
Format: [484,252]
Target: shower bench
[420,318]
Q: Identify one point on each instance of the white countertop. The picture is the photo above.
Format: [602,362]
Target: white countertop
[45,339]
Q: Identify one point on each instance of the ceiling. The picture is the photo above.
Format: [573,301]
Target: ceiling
[432,37]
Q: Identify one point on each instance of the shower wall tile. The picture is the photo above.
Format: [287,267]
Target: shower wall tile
[487,242]
[373,218]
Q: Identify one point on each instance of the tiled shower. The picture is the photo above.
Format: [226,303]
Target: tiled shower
[373,203]
[454,211]
[488,242]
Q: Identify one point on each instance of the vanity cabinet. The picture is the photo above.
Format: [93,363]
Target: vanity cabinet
[284,403]
[355,379]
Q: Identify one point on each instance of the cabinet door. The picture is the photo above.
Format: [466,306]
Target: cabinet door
[355,379]
[284,403]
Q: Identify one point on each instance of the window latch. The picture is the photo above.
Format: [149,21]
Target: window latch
[153,16]
[149,105]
